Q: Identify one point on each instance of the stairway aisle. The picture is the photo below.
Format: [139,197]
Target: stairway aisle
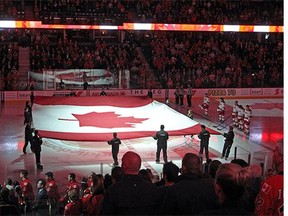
[24,66]
[149,73]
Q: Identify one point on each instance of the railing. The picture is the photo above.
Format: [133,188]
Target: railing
[244,154]
[263,158]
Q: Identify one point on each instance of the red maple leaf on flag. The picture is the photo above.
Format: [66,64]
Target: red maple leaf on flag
[107,120]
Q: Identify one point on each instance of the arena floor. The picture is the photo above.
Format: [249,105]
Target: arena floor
[63,157]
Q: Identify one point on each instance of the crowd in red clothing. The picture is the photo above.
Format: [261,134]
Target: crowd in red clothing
[156,11]
[232,188]
[200,59]
[68,53]
[212,12]
[81,11]
[170,11]
[225,60]
[11,9]
[9,57]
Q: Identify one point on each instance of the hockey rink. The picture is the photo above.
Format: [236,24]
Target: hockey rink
[82,157]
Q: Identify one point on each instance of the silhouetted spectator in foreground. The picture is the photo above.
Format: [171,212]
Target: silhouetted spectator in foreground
[7,207]
[230,184]
[270,200]
[170,174]
[132,195]
[116,174]
[253,188]
[213,167]
[191,193]
[240,162]
[145,175]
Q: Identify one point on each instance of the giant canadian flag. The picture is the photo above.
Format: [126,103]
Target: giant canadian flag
[96,118]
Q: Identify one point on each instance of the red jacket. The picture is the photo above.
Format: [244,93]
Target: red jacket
[72,208]
[73,185]
[94,204]
[52,190]
[85,202]
[270,198]
[26,190]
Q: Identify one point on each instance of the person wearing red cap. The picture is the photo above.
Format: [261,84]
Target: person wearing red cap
[228,143]
[132,195]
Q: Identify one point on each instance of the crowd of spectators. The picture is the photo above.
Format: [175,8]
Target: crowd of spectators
[222,60]
[212,12]
[172,11]
[203,60]
[11,9]
[10,42]
[175,58]
[81,12]
[67,53]
[9,58]
[232,188]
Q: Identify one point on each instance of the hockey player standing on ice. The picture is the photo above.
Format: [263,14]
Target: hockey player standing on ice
[235,112]
[205,104]
[221,110]
[247,119]
[240,117]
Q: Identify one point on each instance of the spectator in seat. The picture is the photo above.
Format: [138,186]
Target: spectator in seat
[6,206]
[170,175]
[270,200]
[40,206]
[230,185]
[191,193]
[132,195]
[73,207]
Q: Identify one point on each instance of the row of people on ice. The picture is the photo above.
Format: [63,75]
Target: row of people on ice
[241,116]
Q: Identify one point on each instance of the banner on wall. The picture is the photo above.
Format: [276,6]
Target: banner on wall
[157,93]
[72,77]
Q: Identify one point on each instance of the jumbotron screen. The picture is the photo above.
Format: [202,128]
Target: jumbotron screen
[144,26]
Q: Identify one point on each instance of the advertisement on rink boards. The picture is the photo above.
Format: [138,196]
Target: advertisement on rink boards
[157,93]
